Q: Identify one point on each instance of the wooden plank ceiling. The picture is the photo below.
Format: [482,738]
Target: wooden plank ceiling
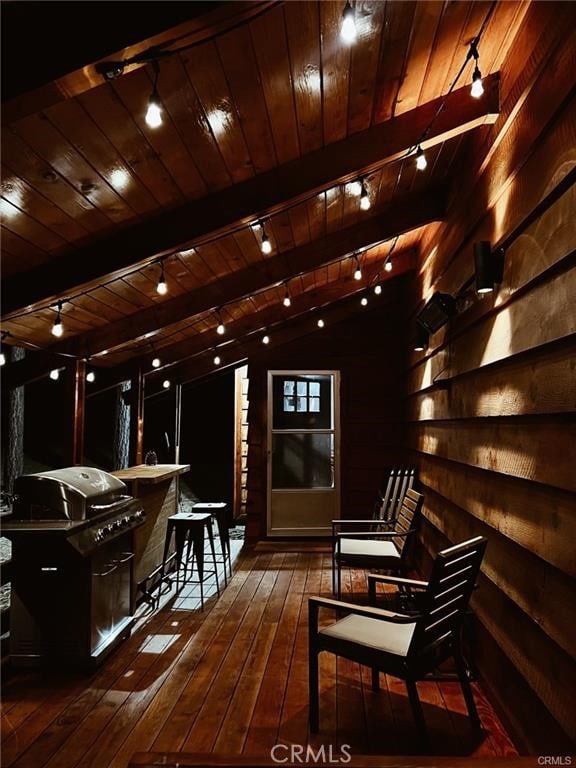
[267,115]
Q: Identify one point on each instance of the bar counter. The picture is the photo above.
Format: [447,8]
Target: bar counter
[157,488]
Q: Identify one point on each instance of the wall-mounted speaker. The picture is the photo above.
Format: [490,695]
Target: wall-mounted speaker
[436,312]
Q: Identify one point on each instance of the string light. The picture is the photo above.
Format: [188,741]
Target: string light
[364,197]
[166,383]
[266,339]
[217,360]
[357,271]
[320,323]
[156,362]
[91,377]
[287,300]
[265,244]
[364,301]
[378,289]
[348,25]
[162,287]
[388,266]
[477,88]
[2,359]
[55,374]
[154,112]
[58,328]
[421,161]
[221,328]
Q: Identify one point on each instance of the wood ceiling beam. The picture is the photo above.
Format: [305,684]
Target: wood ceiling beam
[406,213]
[258,197]
[249,347]
[402,215]
[269,317]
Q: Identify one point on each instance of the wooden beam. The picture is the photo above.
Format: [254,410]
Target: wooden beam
[251,345]
[258,197]
[137,419]
[175,353]
[75,382]
[406,213]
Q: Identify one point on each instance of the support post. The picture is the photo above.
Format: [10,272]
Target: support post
[137,419]
[14,461]
[76,407]
[177,425]
[121,439]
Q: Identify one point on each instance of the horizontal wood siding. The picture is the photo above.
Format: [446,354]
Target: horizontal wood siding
[370,351]
[492,403]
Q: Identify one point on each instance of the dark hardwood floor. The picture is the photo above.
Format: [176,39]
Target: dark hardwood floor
[230,679]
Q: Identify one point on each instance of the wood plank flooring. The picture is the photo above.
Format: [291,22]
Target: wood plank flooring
[231,679]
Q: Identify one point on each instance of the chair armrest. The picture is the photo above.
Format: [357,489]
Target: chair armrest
[382,579]
[360,610]
[367,521]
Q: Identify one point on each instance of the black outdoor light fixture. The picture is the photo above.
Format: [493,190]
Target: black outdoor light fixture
[421,341]
[488,266]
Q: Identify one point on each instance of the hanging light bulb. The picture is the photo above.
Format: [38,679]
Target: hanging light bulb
[320,323]
[421,161]
[217,360]
[357,271]
[378,289]
[477,88]
[2,358]
[55,374]
[355,188]
[154,112]
[348,26]
[162,287]
[364,198]
[156,362]
[287,301]
[90,377]
[220,328]
[364,301]
[388,266]
[265,244]
[166,383]
[58,328]
[266,339]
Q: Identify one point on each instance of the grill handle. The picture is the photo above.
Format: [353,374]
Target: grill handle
[108,572]
[104,507]
[126,556]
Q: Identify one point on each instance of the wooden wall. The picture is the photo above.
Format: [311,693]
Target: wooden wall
[496,444]
[370,351]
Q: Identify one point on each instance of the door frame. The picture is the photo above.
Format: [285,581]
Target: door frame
[337,450]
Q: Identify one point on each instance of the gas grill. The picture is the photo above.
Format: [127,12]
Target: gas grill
[72,552]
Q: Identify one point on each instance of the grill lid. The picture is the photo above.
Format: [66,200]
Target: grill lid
[88,482]
[74,493]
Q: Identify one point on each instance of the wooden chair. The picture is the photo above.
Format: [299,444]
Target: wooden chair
[382,547]
[399,480]
[408,647]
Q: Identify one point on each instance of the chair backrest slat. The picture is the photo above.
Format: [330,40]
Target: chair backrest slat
[407,518]
[399,481]
[452,580]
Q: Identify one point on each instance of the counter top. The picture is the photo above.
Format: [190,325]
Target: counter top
[150,474]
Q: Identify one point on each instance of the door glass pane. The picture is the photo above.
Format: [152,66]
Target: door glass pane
[302,461]
[302,401]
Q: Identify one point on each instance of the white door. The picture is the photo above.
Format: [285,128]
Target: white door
[303,452]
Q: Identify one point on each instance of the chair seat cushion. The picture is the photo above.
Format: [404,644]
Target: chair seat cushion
[368,548]
[373,633]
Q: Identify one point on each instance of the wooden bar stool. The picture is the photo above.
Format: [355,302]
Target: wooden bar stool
[190,527]
[218,509]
